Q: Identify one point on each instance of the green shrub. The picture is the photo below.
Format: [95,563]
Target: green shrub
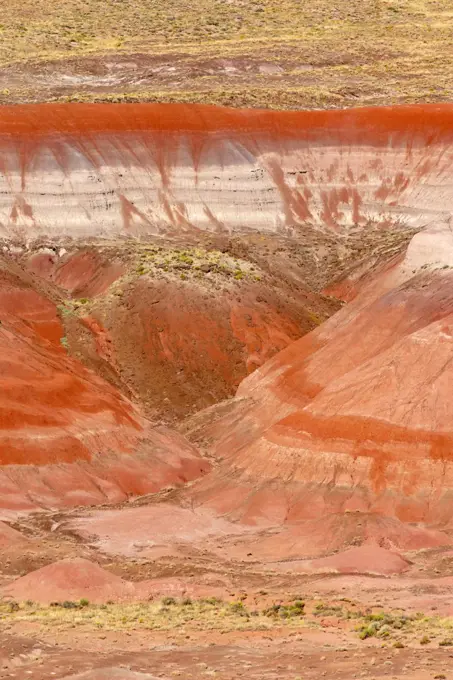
[68,604]
[283,611]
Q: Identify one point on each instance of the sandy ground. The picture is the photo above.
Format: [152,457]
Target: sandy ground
[324,644]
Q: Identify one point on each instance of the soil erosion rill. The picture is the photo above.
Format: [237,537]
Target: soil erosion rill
[226,437]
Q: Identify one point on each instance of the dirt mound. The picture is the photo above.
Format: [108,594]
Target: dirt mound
[75,579]
[179,325]
[83,273]
[323,535]
[70,580]
[181,345]
[341,420]
[66,436]
[368,559]
[10,537]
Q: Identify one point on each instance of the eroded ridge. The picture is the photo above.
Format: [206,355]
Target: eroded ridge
[82,171]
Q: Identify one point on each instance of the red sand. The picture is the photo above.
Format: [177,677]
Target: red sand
[330,533]
[70,579]
[366,559]
[146,529]
[345,437]
[110,674]
[10,537]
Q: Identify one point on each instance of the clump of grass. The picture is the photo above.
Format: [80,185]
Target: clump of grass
[322,609]
[447,642]
[382,624]
[239,608]
[196,262]
[185,258]
[211,600]
[297,609]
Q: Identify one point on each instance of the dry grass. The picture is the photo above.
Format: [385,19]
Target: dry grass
[194,263]
[167,614]
[394,629]
[323,53]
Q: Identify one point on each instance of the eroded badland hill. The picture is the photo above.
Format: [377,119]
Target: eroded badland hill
[226,341]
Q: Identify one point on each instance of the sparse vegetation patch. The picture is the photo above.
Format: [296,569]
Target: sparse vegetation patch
[195,263]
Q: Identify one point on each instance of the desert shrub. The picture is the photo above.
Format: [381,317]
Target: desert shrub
[68,604]
[283,611]
[322,609]
[211,600]
[238,608]
[382,624]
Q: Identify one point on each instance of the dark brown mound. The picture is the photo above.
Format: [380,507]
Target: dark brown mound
[179,327]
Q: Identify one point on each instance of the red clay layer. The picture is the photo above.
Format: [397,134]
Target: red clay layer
[81,171]
[366,125]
